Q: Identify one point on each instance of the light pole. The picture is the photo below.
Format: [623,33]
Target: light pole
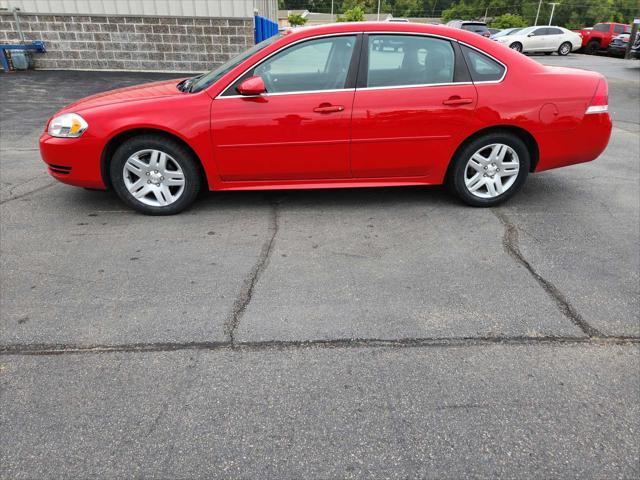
[537,14]
[553,7]
[379,1]
[332,10]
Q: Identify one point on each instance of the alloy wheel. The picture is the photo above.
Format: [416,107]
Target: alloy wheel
[491,170]
[153,178]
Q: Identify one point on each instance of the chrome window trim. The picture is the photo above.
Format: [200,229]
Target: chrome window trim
[447,84]
[277,94]
[342,34]
[255,65]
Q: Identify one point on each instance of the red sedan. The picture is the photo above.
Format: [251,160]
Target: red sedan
[343,105]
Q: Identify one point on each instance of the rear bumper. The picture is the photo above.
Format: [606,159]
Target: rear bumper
[75,161]
[568,147]
[616,50]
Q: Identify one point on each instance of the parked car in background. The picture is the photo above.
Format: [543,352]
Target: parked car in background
[543,39]
[397,20]
[599,37]
[493,31]
[471,26]
[618,46]
[506,32]
[323,107]
[635,49]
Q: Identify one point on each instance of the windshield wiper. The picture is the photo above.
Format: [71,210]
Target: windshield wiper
[187,84]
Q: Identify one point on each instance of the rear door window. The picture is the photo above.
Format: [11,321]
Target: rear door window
[396,60]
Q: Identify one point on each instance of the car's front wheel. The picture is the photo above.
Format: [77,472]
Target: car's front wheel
[155,175]
[489,169]
[517,46]
[564,49]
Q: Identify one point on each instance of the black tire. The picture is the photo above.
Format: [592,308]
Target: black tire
[565,49]
[181,155]
[517,46]
[592,47]
[456,174]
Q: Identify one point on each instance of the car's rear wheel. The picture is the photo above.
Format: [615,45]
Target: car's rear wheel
[592,47]
[517,46]
[564,49]
[490,169]
[155,175]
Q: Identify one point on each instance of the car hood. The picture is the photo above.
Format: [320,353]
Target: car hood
[145,91]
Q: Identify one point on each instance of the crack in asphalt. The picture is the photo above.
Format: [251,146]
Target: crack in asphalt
[244,298]
[510,244]
[338,343]
[35,190]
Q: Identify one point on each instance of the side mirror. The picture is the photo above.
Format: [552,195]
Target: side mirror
[252,86]
[531,35]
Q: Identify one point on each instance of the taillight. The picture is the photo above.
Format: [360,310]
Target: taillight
[600,101]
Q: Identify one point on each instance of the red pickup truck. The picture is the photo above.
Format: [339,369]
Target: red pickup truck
[598,37]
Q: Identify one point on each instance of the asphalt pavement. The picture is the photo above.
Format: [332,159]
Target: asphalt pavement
[372,333]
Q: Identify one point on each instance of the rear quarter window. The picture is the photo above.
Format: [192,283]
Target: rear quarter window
[482,67]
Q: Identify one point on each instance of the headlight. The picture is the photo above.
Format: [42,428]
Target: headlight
[67,125]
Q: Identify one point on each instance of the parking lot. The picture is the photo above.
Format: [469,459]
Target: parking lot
[389,333]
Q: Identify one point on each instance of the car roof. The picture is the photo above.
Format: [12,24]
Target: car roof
[523,64]
[391,27]
[491,47]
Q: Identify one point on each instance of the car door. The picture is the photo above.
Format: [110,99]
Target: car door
[299,128]
[536,40]
[554,38]
[413,102]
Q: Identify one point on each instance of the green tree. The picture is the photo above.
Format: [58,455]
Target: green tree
[355,14]
[295,19]
[462,11]
[408,8]
[509,20]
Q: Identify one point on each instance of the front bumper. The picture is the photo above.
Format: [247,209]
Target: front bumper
[75,161]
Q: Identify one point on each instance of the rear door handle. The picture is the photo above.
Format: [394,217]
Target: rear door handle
[457,101]
[326,108]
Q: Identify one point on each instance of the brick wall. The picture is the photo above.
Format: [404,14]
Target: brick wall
[83,42]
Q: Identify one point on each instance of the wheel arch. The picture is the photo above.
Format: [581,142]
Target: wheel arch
[121,137]
[524,135]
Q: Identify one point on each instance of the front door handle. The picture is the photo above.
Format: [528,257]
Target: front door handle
[328,108]
[456,100]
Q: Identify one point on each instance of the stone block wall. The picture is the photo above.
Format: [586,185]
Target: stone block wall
[90,42]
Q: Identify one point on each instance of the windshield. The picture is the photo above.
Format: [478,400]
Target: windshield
[527,31]
[508,31]
[203,81]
